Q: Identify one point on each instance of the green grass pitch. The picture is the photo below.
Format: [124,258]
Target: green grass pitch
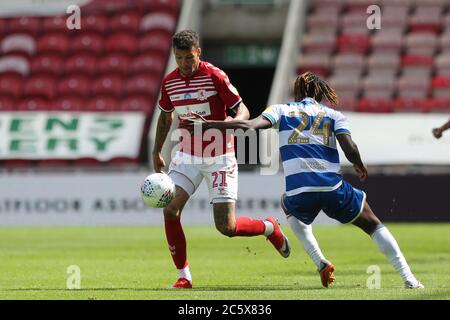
[134,263]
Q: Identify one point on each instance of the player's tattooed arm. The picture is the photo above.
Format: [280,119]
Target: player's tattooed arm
[164,123]
[352,154]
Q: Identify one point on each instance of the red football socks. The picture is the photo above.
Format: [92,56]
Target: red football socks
[248,227]
[177,242]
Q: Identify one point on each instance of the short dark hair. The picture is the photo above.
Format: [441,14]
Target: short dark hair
[185,40]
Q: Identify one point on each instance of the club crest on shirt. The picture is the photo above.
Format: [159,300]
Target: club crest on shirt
[187,96]
[202,95]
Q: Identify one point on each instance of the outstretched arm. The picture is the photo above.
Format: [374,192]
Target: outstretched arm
[164,123]
[352,154]
[256,123]
[437,132]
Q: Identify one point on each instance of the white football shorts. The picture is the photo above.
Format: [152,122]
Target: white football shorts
[220,173]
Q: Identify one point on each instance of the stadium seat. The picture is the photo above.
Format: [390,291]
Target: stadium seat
[88,42]
[383,64]
[383,42]
[437,105]
[346,104]
[155,42]
[315,62]
[50,64]
[421,43]
[21,44]
[358,5]
[57,43]
[319,43]
[441,86]
[375,105]
[40,86]
[170,6]
[442,64]
[34,104]
[346,87]
[84,63]
[68,103]
[7,103]
[75,85]
[137,103]
[102,103]
[26,25]
[108,6]
[158,21]
[114,63]
[411,86]
[11,85]
[323,23]
[349,63]
[426,19]
[14,64]
[417,65]
[108,84]
[354,22]
[355,43]
[151,63]
[94,23]
[57,24]
[381,87]
[4,29]
[122,43]
[409,105]
[125,22]
[142,85]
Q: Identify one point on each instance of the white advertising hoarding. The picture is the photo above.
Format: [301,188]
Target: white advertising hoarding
[114,199]
[399,138]
[66,135]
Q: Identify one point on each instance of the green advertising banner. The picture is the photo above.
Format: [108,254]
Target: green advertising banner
[65,135]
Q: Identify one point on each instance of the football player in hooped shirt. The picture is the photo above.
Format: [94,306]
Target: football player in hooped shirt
[308,134]
[199,87]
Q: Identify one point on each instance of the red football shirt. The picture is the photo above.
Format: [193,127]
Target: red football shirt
[209,93]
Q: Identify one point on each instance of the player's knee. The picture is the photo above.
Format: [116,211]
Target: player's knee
[226,230]
[171,212]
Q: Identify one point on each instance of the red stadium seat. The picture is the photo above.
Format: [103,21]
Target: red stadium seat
[100,6]
[114,63]
[108,84]
[11,85]
[152,63]
[441,86]
[171,6]
[436,105]
[317,63]
[426,19]
[27,25]
[88,42]
[142,85]
[125,22]
[57,24]
[158,21]
[75,84]
[81,63]
[94,23]
[68,103]
[7,103]
[53,43]
[34,104]
[102,103]
[4,29]
[155,41]
[417,65]
[40,86]
[409,105]
[121,42]
[14,64]
[356,43]
[22,44]
[137,103]
[51,64]
[375,105]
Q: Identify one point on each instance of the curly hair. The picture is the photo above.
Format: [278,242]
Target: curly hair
[310,85]
[185,40]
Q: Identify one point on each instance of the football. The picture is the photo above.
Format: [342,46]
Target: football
[157,190]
